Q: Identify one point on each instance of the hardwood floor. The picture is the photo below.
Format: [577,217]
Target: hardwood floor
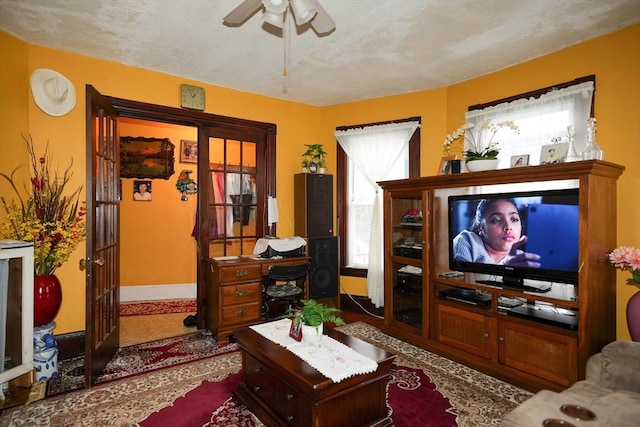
[141,329]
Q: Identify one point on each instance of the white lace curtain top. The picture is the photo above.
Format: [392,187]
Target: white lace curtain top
[332,359]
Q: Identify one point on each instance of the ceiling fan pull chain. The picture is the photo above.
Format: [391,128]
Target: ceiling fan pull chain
[286,35]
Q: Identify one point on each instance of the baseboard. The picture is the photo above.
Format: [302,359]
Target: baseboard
[157,292]
[70,345]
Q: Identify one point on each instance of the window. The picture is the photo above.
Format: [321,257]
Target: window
[542,117]
[355,196]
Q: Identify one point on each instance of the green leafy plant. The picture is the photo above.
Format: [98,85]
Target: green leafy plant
[315,153]
[313,313]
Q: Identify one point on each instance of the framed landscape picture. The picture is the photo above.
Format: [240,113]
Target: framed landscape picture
[146,157]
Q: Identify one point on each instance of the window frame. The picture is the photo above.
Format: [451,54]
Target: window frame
[342,162]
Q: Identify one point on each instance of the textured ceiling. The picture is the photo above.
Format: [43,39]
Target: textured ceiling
[379,48]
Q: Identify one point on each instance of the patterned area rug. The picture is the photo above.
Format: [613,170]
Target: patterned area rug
[425,389]
[140,358]
[158,307]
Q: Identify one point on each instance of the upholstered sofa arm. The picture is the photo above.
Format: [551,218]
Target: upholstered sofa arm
[617,366]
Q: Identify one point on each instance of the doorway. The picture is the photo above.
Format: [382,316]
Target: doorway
[104,114]
[157,230]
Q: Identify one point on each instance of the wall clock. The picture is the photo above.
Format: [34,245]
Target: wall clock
[192,97]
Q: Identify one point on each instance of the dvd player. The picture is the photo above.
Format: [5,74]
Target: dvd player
[545,316]
[468,296]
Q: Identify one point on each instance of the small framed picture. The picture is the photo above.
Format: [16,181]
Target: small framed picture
[188,151]
[142,191]
[519,160]
[447,165]
[554,153]
[295,331]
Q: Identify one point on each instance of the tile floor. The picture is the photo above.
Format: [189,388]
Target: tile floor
[140,329]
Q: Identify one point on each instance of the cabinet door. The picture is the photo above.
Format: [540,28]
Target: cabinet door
[466,330]
[538,352]
[405,242]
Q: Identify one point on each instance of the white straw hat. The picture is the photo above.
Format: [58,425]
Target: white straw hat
[53,92]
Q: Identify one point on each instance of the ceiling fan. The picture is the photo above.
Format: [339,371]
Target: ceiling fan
[304,11]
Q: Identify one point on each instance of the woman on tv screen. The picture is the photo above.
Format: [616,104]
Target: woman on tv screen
[495,236]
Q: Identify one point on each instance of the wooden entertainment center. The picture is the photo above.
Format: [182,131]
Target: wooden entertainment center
[523,351]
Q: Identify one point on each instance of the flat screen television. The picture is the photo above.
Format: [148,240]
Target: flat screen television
[548,218]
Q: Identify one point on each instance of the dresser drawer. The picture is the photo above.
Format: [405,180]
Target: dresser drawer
[240,273]
[241,294]
[241,313]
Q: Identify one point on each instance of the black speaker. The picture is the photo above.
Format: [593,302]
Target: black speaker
[323,277]
[313,205]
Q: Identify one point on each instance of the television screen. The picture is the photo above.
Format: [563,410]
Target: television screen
[516,235]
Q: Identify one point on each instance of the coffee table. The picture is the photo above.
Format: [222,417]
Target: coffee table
[283,390]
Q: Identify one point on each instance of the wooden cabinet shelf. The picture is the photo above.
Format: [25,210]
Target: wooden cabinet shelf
[532,352]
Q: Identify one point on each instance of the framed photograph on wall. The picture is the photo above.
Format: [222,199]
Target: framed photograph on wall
[188,151]
[519,160]
[553,153]
[447,165]
[146,157]
[142,191]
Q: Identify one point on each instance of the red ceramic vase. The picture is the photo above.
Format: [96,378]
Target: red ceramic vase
[47,298]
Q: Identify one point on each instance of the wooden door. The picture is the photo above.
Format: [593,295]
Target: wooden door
[102,262]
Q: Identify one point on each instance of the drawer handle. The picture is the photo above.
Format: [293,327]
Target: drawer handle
[289,396]
[241,313]
[290,418]
[256,388]
[259,369]
[486,334]
[242,272]
[241,293]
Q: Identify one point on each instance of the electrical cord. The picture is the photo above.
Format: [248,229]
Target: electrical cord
[360,305]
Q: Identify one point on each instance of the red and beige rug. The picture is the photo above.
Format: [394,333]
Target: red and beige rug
[158,307]
[424,389]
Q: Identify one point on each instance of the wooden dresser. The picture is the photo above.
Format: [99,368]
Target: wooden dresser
[234,289]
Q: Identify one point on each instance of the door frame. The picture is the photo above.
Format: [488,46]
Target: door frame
[229,125]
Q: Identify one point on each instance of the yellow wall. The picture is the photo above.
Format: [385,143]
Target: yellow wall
[613,58]
[158,233]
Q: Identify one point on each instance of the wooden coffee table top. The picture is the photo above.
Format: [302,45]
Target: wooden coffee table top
[279,357]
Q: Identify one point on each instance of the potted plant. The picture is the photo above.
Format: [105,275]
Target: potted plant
[313,159]
[477,150]
[311,317]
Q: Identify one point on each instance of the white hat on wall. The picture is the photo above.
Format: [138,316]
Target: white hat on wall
[53,92]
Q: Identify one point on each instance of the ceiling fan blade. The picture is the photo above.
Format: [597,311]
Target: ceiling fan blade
[243,12]
[322,22]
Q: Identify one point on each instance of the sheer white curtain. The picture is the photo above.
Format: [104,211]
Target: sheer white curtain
[540,120]
[374,150]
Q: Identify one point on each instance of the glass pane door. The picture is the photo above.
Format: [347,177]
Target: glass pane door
[232,196]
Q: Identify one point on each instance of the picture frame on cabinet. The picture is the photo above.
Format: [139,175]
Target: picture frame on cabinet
[553,153]
[447,165]
[188,151]
[519,160]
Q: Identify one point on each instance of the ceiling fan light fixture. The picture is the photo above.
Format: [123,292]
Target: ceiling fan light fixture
[275,6]
[275,19]
[303,10]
